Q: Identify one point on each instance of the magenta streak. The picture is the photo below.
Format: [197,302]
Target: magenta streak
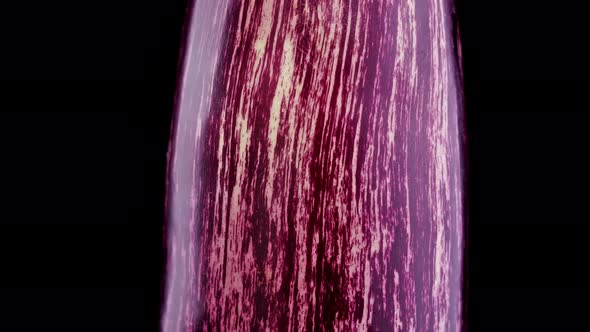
[315,169]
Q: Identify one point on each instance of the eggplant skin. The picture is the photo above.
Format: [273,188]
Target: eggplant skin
[315,169]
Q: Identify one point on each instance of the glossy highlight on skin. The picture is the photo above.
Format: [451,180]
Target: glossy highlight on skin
[315,169]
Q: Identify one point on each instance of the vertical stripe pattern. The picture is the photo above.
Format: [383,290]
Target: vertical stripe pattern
[315,175]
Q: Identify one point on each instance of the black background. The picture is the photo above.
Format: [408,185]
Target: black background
[87,92]
[526,77]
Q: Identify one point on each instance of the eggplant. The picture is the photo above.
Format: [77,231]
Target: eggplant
[315,177]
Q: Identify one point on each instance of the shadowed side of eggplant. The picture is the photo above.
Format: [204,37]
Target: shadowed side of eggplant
[315,177]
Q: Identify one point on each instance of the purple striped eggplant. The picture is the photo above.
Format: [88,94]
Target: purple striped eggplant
[315,168]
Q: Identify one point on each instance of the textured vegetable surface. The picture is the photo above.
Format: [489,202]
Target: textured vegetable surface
[315,169]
